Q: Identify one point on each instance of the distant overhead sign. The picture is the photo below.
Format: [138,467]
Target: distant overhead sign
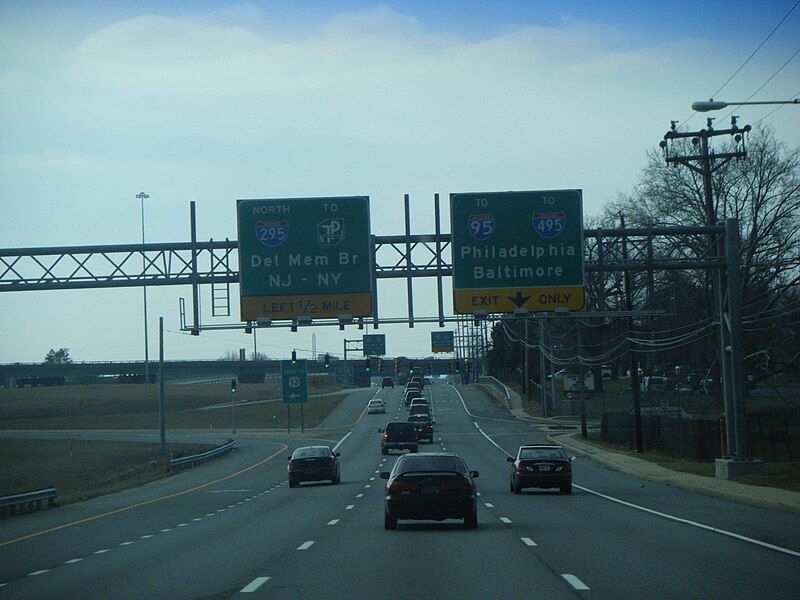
[517,250]
[305,257]
[374,344]
[442,341]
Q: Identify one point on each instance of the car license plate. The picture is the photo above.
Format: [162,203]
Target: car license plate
[544,467]
[430,489]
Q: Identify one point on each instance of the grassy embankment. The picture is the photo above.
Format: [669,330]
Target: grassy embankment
[83,469]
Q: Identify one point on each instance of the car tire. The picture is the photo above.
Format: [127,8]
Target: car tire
[516,488]
[389,522]
[292,483]
[566,489]
[471,520]
[414,448]
[384,451]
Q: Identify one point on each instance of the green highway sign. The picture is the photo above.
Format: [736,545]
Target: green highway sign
[517,250]
[294,382]
[442,341]
[374,345]
[304,257]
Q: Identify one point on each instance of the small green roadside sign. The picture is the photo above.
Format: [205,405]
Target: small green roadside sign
[294,382]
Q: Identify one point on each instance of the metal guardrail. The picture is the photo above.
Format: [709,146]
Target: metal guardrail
[498,385]
[187,462]
[27,502]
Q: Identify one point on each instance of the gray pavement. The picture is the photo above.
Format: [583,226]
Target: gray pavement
[764,497]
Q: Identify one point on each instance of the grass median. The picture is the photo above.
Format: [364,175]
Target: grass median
[82,469]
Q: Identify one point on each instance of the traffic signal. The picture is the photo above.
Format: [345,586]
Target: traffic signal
[294,357]
[411,367]
[380,365]
[233,386]
[458,366]
[396,366]
[366,365]
[327,360]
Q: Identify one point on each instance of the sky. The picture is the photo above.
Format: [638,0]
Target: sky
[215,101]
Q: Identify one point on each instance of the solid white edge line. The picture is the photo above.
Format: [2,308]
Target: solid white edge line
[653,512]
[254,585]
[692,523]
[575,582]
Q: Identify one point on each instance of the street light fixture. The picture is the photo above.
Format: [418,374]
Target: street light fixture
[702,106]
[142,196]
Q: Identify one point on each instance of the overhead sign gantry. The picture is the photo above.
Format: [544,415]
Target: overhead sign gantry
[305,257]
[517,250]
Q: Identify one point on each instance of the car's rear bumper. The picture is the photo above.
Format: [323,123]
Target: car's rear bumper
[429,508]
[544,480]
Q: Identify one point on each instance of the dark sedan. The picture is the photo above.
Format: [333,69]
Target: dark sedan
[541,466]
[313,463]
[430,486]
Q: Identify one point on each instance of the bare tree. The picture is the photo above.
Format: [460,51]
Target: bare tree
[763,193]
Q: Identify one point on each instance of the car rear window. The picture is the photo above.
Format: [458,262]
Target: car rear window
[399,426]
[310,452]
[541,453]
[431,463]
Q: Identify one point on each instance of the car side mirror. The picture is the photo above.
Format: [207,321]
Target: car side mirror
[337,453]
[473,474]
[510,459]
[384,475]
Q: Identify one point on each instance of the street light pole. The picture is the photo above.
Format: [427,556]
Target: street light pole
[142,196]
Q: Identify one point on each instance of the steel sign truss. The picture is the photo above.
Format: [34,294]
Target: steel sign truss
[409,256]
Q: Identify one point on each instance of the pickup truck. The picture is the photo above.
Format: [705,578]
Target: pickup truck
[399,435]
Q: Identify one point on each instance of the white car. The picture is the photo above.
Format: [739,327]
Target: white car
[376,407]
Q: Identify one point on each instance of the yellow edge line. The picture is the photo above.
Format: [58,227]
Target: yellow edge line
[154,500]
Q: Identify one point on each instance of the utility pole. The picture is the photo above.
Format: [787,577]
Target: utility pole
[637,401]
[706,163]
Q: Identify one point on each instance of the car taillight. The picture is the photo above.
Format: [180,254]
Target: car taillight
[291,464]
[397,487]
[330,460]
[386,436]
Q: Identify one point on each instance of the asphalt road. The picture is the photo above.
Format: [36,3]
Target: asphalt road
[233,526]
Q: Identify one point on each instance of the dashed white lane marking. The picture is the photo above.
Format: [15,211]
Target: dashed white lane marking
[505,520]
[73,561]
[146,537]
[359,495]
[528,542]
[349,507]
[575,582]
[368,485]
[333,521]
[126,543]
[166,530]
[488,505]
[305,545]
[254,585]
[197,519]
[102,551]
[210,514]
[35,573]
